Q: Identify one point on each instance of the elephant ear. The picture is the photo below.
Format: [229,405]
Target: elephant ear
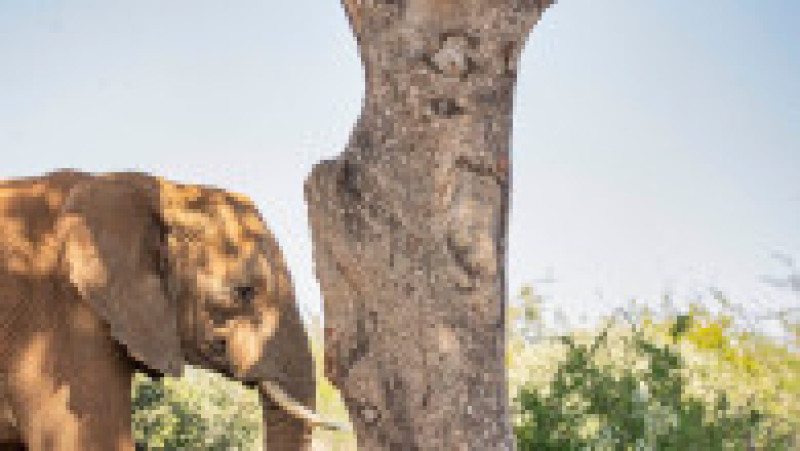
[112,236]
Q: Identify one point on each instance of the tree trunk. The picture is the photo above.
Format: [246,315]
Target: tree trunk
[409,225]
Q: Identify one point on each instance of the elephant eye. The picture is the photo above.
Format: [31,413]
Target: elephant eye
[245,294]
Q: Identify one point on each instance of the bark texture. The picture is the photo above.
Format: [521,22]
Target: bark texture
[409,224]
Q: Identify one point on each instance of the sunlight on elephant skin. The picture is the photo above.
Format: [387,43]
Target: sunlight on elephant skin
[104,275]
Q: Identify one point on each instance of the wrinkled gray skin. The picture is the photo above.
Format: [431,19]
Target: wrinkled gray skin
[103,275]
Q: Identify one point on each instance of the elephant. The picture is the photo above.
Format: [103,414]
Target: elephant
[102,275]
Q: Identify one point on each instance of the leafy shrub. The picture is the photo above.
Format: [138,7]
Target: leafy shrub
[689,382]
[202,410]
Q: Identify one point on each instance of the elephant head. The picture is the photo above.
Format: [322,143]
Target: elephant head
[191,274]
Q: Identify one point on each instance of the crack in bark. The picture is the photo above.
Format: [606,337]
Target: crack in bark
[361,346]
[498,173]
[459,254]
[446,107]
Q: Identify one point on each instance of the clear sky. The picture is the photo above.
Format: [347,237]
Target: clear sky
[656,144]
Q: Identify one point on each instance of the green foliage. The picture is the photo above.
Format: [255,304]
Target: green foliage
[691,381]
[202,410]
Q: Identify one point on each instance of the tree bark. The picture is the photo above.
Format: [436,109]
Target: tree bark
[409,225]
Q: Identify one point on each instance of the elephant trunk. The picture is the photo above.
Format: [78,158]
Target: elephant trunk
[283,370]
[283,429]
[288,424]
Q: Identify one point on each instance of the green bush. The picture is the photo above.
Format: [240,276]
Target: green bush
[689,382]
[206,411]
[202,410]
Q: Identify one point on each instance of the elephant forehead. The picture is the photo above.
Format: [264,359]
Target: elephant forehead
[218,223]
[233,253]
[240,266]
[240,226]
[225,228]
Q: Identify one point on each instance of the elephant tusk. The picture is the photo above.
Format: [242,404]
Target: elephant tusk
[293,407]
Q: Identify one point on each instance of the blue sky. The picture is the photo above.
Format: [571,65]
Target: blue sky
[656,146]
